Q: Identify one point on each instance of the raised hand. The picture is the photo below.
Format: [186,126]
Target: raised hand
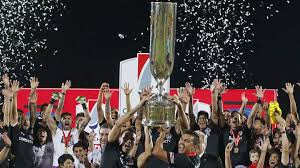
[289,88]
[264,146]
[189,89]
[6,140]
[65,86]
[81,100]
[107,94]
[222,88]
[174,99]
[56,95]
[244,98]
[34,83]
[15,86]
[91,136]
[5,80]
[126,89]
[298,84]
[228,148]
[259,92]
[104,86]
[146,91]
[214,85]
[7,93]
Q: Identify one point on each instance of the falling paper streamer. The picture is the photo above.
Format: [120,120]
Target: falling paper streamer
[215,38]
[23,24]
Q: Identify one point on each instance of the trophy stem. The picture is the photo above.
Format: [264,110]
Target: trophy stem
[160,92]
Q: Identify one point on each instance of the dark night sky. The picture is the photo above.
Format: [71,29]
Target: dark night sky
[90,50]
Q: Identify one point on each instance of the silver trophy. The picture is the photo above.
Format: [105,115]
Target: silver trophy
[160,111]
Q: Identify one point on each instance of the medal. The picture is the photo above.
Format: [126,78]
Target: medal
[236,150]
[66,150]
[67,140]
[236,141]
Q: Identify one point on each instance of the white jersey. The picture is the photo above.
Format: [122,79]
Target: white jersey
[79,165]
[59,143]
[95,156]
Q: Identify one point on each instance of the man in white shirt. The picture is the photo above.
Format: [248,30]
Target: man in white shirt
[95,155]
[64,138]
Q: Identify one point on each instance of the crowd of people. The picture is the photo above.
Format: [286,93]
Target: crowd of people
[222,139]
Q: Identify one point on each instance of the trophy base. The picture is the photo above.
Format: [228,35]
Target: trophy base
[152,123]
[160,113]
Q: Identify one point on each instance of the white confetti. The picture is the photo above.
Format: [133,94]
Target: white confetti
[23,24]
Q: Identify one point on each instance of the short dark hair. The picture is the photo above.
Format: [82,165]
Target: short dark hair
[235,112]
[277,152]
[105,125]
[200,113]
[79,115]
[80,144]
[65,114]
[196,139]
[129,135]
[226,110]
[20,111]
[43,106]
[254,151]
[63,158]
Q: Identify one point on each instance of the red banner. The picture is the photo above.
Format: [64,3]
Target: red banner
[231,100]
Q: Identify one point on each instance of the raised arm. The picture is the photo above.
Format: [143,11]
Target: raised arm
[142,111]
[50,121]
[107,96]
[4,152]
[87,117]
[116,130]
[6,108]
[263,148]
[127,92]
[182,121]
[7,105]
[100,111]
[91,138]
[285,146]
[158,150]
[214,88]
[259,94]
[148,149]
[228,150]
[5,80]
[244,103]
[132,152]
[221,116]
[64,87]
[190,92]
[34,83]
[289,89]
[15,88]
[296,156]
[220,113]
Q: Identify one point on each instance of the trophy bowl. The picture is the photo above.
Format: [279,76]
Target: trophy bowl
[160,111]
